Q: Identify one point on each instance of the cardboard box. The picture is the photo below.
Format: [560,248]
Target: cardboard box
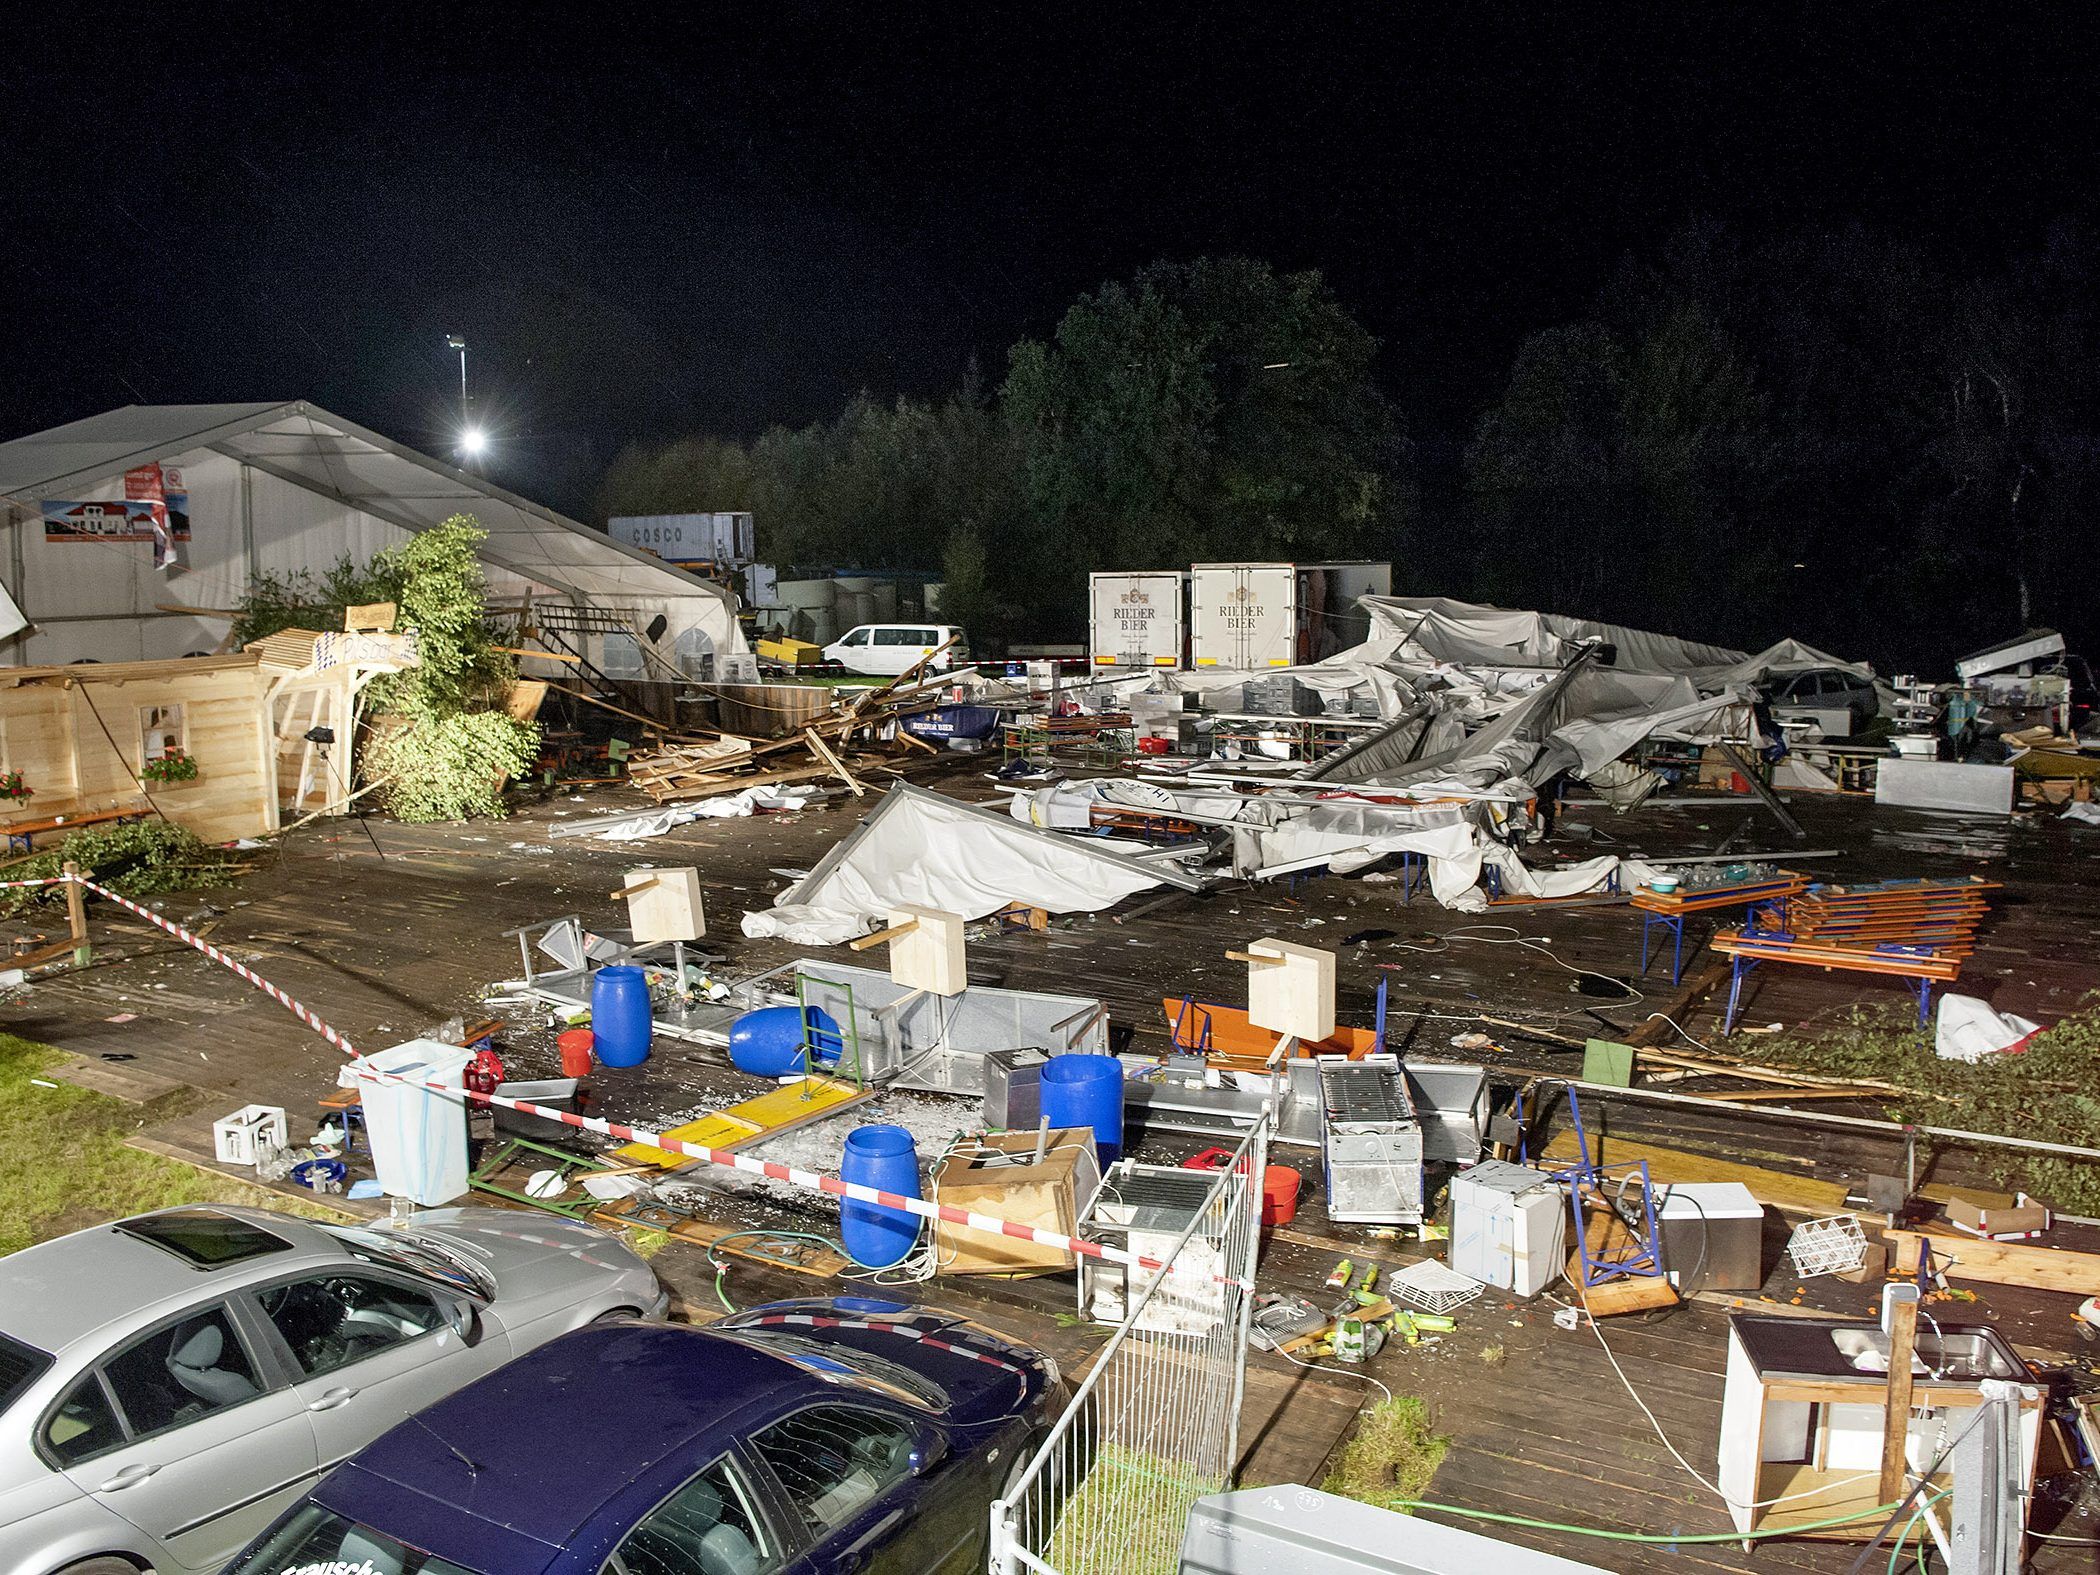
[1995,1213]
[1047,1196]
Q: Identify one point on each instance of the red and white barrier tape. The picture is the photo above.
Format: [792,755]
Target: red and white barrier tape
[807,1179]
[818,1321]
[304,1014]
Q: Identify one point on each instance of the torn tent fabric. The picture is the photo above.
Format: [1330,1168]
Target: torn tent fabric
[919,847]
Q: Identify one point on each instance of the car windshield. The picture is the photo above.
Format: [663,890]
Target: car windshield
[845,1364]
[19,1366]
[417,1255]
[317,1541]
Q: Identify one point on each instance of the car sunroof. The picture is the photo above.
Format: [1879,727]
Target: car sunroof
[205,1238]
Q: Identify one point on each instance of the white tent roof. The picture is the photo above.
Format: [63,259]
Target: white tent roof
[308,447]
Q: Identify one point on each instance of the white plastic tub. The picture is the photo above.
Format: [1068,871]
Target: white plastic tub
[418,1135]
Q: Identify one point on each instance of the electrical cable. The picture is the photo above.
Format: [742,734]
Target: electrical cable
[1315,1367]
[1693,1471]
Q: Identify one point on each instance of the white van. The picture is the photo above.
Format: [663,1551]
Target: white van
[887,649]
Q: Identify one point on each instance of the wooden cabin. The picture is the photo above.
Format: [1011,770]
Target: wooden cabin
[81,737]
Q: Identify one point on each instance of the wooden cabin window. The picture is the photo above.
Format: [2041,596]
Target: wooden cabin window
[162,728]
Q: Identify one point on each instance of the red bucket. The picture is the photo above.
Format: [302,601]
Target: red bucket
[1279,1195]
[575,1046]
[1150,745]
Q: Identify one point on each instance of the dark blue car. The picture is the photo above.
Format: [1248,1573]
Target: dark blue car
[813,1437]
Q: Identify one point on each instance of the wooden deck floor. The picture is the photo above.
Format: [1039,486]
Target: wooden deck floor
[389,933]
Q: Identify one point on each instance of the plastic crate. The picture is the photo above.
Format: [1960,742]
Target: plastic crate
[1828,1246]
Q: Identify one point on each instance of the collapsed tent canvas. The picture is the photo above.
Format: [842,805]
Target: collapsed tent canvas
[1473,634]
[921,847]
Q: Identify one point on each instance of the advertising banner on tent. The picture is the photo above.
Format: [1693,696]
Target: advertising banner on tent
[155,508]
[150,485]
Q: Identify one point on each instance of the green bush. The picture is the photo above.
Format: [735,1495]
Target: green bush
[135,857]
[305,600]
[450,767]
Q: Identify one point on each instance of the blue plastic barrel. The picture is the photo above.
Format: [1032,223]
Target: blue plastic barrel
[884,1157]
[1086,1091]
[768,1042]
[620,1018]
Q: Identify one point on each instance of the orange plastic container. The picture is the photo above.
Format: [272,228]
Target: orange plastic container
[575,1045]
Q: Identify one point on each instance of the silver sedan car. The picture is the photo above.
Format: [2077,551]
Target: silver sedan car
[169,1383]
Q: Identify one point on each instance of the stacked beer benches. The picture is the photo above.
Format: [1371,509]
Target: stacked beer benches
[1915,930]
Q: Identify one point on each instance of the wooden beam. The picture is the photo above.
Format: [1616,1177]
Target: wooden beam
[838,766]
[1903,1340]
[894,932]
[539,656]
[1962,1257]
[76,914]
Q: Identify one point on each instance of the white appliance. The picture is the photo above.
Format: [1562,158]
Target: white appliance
[1509,1227]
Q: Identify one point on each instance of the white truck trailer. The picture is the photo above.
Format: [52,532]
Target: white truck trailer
[1137,620]
[1247,616]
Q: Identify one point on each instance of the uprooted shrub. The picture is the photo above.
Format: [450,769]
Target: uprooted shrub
[446,749]
[2045,1092]
[138,858]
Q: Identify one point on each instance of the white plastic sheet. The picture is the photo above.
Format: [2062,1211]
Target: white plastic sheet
[918,847]
[1967,1029]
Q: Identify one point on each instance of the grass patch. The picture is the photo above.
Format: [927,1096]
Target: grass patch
[64,1164]
[1127,1516]
[2047,1092]
[1394,1453]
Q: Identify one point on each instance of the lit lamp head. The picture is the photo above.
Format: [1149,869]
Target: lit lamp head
[472,442]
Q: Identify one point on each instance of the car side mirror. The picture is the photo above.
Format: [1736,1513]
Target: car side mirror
[466,1322]
[929,1451]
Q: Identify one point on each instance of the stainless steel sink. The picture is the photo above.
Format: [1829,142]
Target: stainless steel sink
[1868,1351]
[1964,1355]
[1969,1353]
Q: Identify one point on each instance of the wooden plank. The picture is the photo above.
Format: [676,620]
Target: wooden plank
[824,753]
[797,1257]
[1774,1189]
[1962,1257]
[1895,1417]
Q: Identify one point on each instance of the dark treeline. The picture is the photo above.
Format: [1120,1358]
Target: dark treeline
[1833,437]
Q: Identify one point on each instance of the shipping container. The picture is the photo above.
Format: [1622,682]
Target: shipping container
[688,538]
[1137,619]
[1248,616]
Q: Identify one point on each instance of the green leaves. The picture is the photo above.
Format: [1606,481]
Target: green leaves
[447,751]
[136,857]
[450,767]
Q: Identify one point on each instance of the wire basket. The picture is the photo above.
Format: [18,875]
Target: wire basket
[1431,1287]
[1830,1246]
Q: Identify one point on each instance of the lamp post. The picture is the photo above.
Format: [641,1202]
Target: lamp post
[471,438]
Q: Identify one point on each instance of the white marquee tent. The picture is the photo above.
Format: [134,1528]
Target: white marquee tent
[285,487]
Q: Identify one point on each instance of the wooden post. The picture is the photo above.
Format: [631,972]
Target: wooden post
[76,915]
[1903,1340]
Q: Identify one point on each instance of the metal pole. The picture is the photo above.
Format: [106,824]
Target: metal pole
[1907,1130]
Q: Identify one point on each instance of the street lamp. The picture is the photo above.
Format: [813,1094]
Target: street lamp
[472,440]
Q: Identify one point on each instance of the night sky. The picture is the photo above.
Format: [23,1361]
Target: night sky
[715,217]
